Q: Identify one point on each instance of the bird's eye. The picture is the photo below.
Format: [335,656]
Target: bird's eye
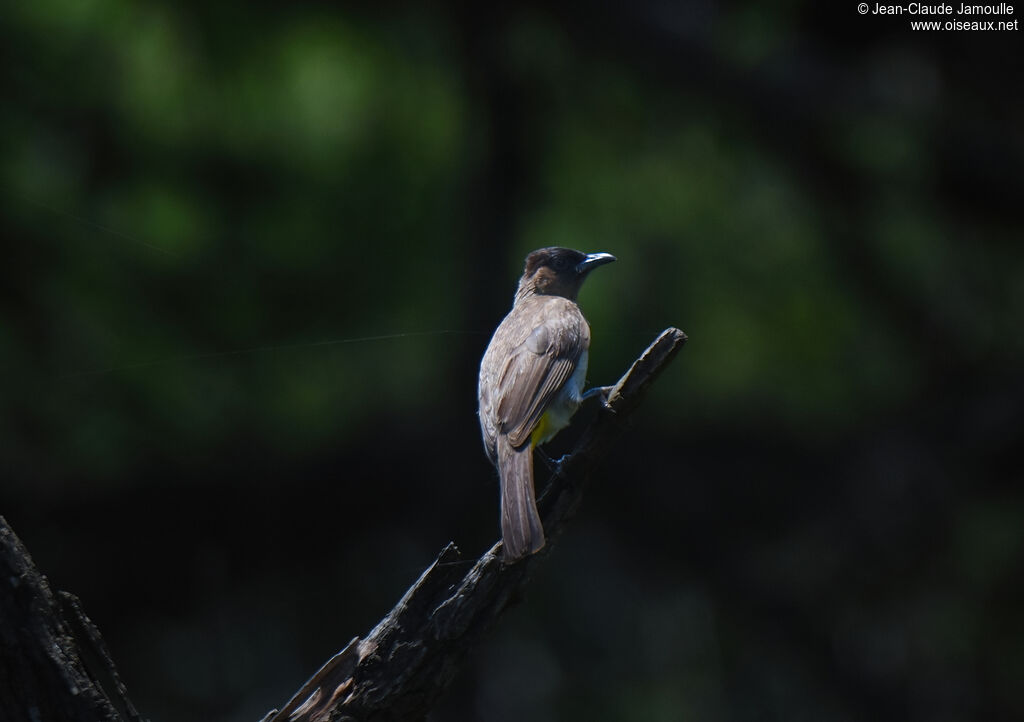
[559,263]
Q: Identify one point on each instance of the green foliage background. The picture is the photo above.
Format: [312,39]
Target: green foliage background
[253,254]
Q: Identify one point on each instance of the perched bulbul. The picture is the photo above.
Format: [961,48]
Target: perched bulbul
[531,382]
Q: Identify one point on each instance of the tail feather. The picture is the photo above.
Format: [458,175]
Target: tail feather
[521,530]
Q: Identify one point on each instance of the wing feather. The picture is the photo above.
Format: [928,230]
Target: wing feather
[539,366]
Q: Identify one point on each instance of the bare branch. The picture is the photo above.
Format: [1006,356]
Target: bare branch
[52,658]
[51,655]
[408,660]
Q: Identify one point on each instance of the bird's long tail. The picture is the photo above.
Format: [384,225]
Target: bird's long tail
[521,530]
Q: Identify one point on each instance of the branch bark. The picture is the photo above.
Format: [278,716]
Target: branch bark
[400,669]
[53,659]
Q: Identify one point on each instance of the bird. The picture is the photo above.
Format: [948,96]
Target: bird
[531,382]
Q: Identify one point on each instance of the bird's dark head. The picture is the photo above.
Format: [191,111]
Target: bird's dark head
[559,271]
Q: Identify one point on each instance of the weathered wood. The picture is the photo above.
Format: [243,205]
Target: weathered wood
[52,657]
[51,654]
[409,659]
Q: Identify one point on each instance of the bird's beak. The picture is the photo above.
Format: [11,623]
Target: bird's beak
[592,261]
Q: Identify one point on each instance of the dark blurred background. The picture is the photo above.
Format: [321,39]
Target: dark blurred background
[252,255]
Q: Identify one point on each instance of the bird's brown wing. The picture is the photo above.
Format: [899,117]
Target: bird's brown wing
[539,366]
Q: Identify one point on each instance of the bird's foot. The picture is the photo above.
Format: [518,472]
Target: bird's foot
[554,465]
[598,392]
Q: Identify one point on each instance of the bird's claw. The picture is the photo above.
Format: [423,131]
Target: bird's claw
[554,465]
[600,392]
